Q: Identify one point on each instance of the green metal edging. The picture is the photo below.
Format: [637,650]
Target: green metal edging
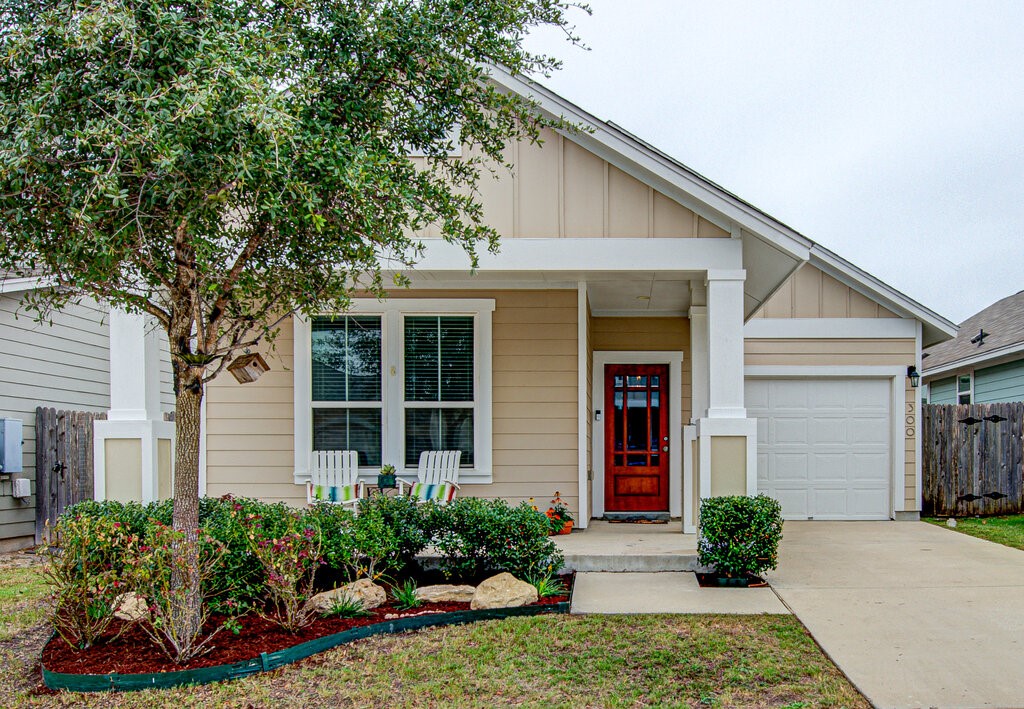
[268,661]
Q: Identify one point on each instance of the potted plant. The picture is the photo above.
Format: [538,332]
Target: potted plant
[559,516]
[739,539]
[386,478]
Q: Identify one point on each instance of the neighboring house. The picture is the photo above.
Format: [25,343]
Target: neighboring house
[64,364]
[643,339]
[984,363]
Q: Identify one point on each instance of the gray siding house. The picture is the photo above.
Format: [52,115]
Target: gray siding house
[64,364]
[984,364]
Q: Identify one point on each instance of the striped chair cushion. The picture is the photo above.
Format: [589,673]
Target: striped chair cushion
[440,493]
[344,493]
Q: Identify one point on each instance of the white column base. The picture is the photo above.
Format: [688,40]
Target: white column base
[135,458]
[714,479]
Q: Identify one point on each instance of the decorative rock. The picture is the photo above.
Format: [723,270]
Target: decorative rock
[951,523]
[446,592]
[364,590]
[503,591]
[131,607]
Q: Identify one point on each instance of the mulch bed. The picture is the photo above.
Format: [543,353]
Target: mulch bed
[133,652]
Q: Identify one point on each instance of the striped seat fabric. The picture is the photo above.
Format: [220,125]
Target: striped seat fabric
[339,493]
[444,492]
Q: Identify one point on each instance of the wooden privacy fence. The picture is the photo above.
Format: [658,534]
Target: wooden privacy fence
[64,462]
[972,459]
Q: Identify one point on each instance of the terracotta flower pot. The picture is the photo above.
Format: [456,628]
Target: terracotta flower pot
[566,528]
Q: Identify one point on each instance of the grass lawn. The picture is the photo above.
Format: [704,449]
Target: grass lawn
[553,661]
[1007,530]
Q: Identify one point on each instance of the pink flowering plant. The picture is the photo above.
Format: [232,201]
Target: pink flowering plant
[152,566]
[289,561]
[83,566]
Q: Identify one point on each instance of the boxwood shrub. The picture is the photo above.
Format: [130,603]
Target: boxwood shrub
[476,536]
[739,535]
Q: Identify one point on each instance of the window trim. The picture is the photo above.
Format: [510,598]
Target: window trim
[393,402]
[969,391]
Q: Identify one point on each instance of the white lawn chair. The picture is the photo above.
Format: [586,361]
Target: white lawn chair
[334,478]
[437,477]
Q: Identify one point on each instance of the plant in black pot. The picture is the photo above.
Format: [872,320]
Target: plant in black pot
[386,478]
[739,539]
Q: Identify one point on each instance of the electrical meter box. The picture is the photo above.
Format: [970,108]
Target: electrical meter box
[10,446]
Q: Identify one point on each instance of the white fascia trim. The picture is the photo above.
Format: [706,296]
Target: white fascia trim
[391,312]
[656,169]
[18,285]
[871,287]
[830,328]
[613,255]
[803,371]
[950,367]
[674,360]
[583,416]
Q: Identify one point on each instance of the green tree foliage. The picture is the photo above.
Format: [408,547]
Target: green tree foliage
[221,164]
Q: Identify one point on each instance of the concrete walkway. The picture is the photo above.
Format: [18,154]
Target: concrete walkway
[915,615]
[666,592]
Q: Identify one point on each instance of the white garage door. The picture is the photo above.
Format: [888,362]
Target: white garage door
[823,446]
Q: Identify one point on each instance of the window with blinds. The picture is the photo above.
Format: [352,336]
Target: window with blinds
[346,385]
[439,385]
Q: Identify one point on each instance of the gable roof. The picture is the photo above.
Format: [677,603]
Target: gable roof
[777,249]
[1003,323]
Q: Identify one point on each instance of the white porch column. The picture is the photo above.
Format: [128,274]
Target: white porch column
[133,448]
[699,350]
[726,459]
[725,344]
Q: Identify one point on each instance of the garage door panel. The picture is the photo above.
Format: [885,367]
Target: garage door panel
[794,501]
[823,446]
[828,430]
[830,467]
[789,466]
[789,430]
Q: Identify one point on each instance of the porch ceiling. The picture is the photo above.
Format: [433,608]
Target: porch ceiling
[648,293]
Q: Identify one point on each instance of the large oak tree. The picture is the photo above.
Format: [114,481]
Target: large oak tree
[219,164]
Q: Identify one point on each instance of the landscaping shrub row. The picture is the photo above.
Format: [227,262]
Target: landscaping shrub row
[266,557]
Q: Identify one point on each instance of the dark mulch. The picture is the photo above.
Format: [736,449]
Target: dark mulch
[133,652]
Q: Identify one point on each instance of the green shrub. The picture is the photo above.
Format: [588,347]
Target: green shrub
[407,522]
[333,523]
[739,535]
[475,536]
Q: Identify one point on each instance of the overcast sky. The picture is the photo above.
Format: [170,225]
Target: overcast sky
[889,132]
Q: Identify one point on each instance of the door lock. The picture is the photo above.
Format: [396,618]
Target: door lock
[664,449]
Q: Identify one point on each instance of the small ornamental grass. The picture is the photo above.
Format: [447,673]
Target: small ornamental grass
[548,585]
[345,606]
[739,535]
[405,595]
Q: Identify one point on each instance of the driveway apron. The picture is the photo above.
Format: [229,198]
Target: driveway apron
[915,615]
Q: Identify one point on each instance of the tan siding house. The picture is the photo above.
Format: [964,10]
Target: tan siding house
[643,339]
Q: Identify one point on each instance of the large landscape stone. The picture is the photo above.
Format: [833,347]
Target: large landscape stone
[445,592]
[131,607]
[364,590]
[503,591]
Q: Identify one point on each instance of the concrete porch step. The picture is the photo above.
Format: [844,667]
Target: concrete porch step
[623,547]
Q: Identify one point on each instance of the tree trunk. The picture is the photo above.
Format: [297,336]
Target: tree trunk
[187,615]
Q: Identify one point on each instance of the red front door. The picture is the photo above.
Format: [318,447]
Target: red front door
[636,438]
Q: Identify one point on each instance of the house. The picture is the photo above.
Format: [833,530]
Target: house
[63,363]
[643,339]
[984,363]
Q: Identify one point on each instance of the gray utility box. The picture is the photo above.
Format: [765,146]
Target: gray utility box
[10,446]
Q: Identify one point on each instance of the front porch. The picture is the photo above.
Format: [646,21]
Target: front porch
[623,547]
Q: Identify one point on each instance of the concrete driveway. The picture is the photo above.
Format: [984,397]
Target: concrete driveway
[915,615]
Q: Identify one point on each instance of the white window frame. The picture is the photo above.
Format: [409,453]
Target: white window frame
[393,402]
[970,391]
